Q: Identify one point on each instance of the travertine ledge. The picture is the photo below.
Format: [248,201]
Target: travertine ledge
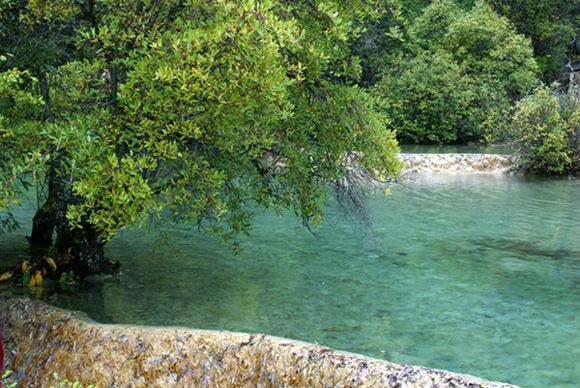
[40,340]
[499,164]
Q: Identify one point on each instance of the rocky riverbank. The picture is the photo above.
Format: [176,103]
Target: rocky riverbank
[40,340]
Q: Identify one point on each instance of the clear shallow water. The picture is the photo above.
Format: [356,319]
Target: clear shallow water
[474,273]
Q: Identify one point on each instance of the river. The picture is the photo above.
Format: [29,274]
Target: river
[474,273]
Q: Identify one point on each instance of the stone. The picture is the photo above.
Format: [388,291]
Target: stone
[497,164]
[40,340]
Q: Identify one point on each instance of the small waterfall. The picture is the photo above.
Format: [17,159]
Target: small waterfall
[497,164]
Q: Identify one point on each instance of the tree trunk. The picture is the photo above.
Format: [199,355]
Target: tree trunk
[44,92]
[83,247]
[42,228]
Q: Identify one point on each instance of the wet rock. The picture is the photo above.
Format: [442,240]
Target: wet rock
[497,164]
[40,340]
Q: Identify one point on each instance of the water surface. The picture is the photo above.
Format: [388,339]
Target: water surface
[474,273]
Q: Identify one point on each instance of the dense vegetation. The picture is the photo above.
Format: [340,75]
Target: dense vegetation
[457,76]
[552,26]
[128,114]
[546,133]
[453,71]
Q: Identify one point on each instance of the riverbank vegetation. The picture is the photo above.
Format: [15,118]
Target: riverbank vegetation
[546,133]
[450,72]
[466,72]
[124,114]
[457,76]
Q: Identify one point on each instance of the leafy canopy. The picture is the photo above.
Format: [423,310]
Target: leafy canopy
[196,111]
[546,133]
[553,27]
[459,73]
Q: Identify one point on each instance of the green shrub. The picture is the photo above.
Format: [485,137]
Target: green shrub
[486,45]
[431,99]
[546,133]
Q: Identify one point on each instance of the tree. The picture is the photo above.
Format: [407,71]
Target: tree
[14,103]
[381,38]
[552,26]
[459,75]
[546,133]
[39,37]
[195,112]
[427,99]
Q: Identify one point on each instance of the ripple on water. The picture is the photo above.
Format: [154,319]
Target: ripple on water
[476,273]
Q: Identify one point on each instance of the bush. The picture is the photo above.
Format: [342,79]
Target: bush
[546,133]
[431,99]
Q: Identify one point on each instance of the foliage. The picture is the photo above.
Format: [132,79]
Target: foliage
[66,383]
[461,72]
[15,102]
[485,45]
[432,26]
[553,27]
[5,382]
[192,112]
[546,133]
[381,38]
[431,110]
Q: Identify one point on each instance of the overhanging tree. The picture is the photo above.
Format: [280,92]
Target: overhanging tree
[195,112]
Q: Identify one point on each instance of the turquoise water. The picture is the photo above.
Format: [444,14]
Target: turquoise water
[474,273]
